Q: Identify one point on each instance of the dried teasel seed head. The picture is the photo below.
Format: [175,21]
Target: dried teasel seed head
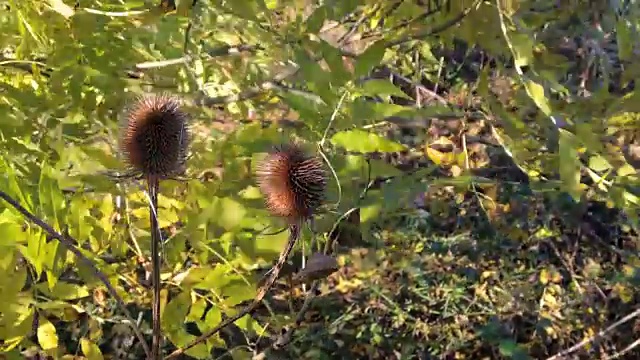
[292,182]
[154,136]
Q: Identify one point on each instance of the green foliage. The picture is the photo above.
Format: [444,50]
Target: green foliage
[371,84]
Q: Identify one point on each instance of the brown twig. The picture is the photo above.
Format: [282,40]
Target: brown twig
[294,234]
[68,242]
[404,24]
[284,339]
[420,87]
[434,31]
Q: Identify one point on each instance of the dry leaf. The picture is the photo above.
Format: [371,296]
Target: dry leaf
[319,266]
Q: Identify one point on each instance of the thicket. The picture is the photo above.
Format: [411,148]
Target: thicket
[480,160]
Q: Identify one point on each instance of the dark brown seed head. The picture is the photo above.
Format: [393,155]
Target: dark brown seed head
[292,182]
[154,136]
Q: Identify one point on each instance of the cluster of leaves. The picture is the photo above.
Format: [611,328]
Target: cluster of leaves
[544,87]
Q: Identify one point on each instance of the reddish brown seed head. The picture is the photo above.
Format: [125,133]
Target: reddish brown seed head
[154,136]
[292,182]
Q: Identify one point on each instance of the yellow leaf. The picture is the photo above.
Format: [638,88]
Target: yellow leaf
[629,271]
[544,277]
[486,274]
[550,300]
[90,350]
[624,293]
[435,155]
[456,171]
[47,337]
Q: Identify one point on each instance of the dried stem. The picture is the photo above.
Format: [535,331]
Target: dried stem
[294,234]
[156,344]
[68,242]
[285,338]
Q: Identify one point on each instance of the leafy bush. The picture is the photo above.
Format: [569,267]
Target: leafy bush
[482,197]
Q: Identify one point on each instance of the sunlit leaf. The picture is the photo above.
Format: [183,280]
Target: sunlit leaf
[90,349]
[364,142]
[47,336]
[65,291]
[536,92]
[523,49]
[376,87]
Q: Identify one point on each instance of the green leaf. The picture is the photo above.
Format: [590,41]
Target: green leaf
[376,87]
[197,310]
[369,59]
[12,186]
[315,21]
[355,167]
[225,212]
[333,58]
[247,9]
[12,281]
[17,322]
[522,48]
[10,231]
[35,251]
[214,279]
[249,324]
[598,163]
[173,317]
[237,291]
[569,164]
[65,291]
[623,37]
[213,318]
[90,349]
[79,227]
[47,336]
[364,142]
[174,314]
[511,349]
[536,93]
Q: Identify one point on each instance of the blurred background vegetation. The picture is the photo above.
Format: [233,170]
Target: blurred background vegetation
[483,198]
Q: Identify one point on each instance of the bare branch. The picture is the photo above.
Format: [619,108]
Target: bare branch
[624,351]
[563,354]
[68,242]
[215,52]
[255,91]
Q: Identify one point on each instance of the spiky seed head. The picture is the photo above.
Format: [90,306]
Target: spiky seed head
[154,136]
[292,182]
